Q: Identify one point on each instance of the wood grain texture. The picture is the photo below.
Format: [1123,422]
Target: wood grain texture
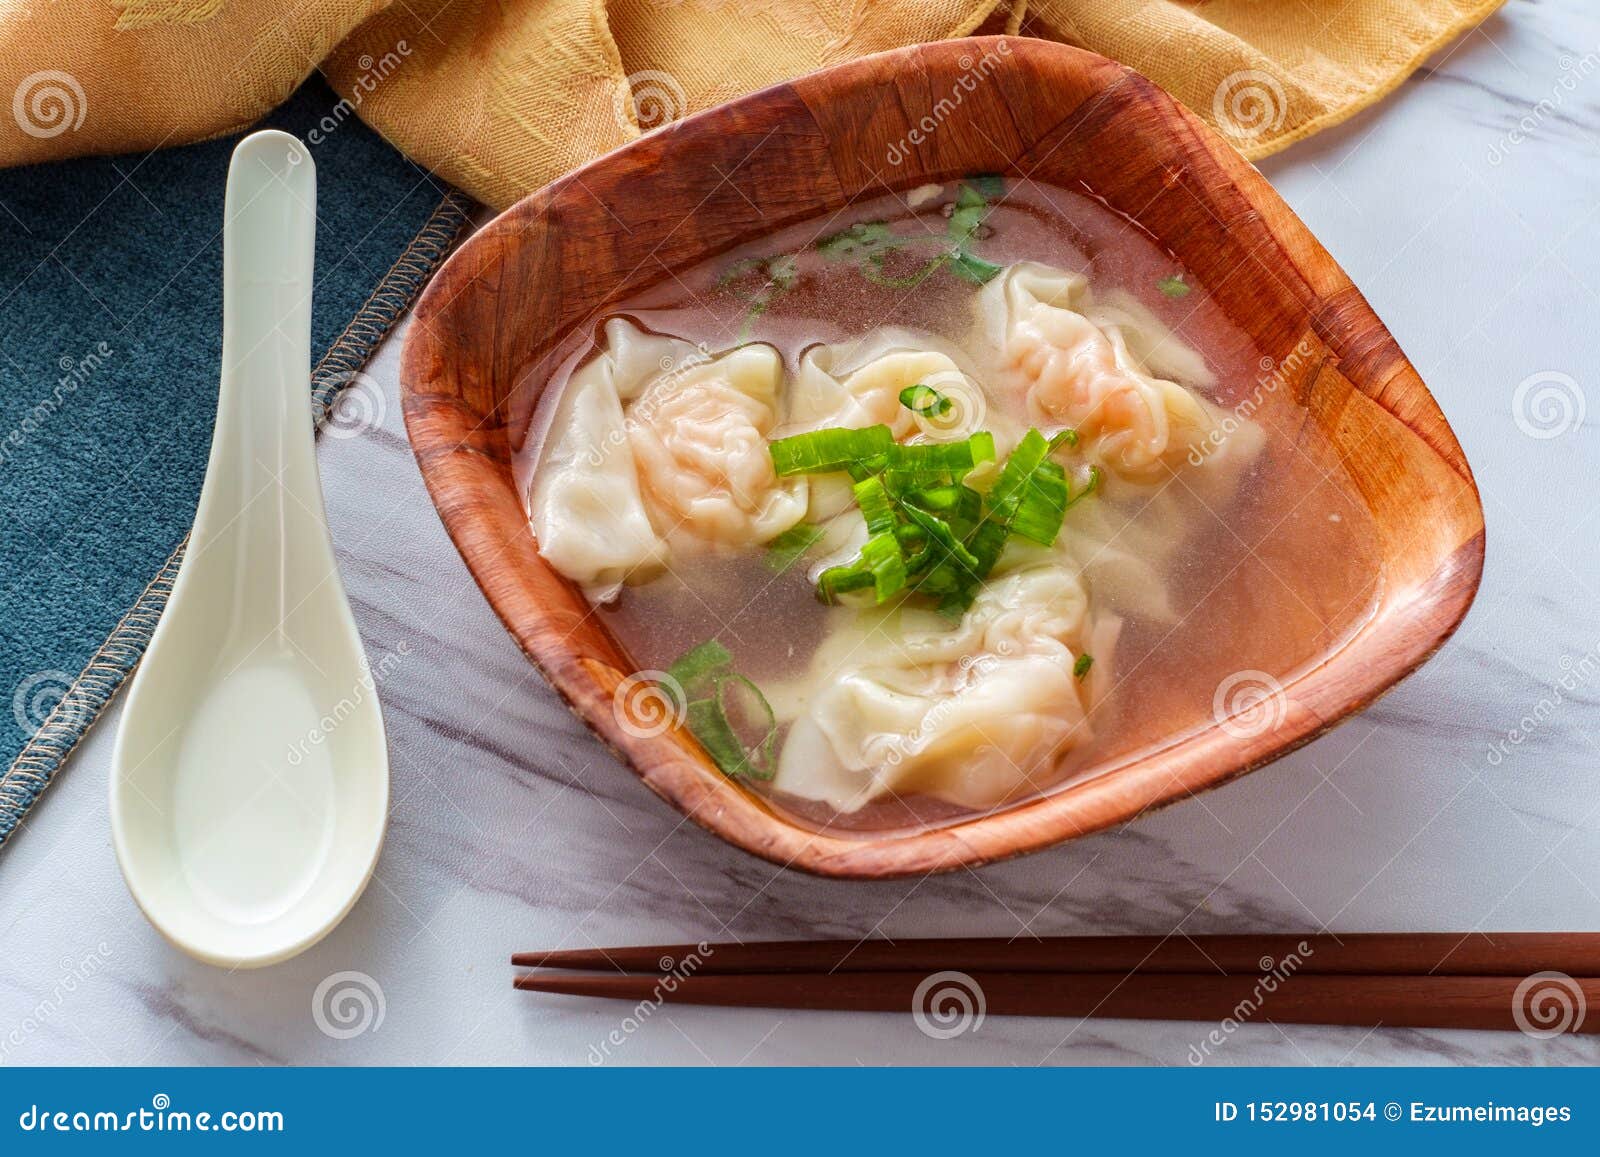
[1499,1003]
[1515,954]
[484,332]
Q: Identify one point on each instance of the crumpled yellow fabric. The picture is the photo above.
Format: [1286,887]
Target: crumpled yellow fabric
[501,96]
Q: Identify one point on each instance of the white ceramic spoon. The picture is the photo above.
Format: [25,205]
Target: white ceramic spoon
[250,781]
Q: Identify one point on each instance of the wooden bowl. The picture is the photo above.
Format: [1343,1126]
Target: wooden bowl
[567,254]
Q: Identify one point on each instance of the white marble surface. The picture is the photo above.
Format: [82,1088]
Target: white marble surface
[511,829]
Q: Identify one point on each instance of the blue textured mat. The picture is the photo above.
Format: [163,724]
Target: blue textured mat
[110,339]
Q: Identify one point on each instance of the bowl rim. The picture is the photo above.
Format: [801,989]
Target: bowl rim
[1181,766]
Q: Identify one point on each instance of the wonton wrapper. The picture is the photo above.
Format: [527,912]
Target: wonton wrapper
[1073,360]
[699,439]
[587,511]
[858,383]
[971,715]
[657,446]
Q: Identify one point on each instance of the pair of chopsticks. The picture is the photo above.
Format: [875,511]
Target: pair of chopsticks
[1538,982]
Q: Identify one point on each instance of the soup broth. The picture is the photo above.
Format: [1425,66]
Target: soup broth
[1193,564]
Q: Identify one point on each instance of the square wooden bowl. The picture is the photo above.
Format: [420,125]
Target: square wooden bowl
[566,255]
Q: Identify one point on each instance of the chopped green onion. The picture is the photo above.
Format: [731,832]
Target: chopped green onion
[881,556]
[880,565]
[949,457]
[862,237]
[691,669]
[942,539]
[923,464]
[1012,485]
[723,708]
[790,546]
[1096,481]
[823,451]
[937,499]
[982,447]
[969,212]
[876,505]
[1081,667]
[974,269]
[921,399]
[872,270]
[928,531]
[841,580]
[1067,437]
[712,721]
[784,270]
[1044,503]
[781,272]
[868,244]
[1174,285]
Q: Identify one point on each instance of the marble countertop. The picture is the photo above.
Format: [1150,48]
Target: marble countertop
[1466,208]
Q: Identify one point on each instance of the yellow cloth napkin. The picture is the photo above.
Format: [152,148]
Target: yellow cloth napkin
[501,96]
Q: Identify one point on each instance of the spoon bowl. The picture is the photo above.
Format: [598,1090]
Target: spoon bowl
[250,779]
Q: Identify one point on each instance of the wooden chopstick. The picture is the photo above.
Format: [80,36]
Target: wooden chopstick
[1474,954]
[1416,1001]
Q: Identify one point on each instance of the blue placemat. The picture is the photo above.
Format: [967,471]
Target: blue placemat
[110,340]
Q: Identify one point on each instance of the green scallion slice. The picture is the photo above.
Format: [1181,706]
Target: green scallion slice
[791,546]
[974,269]
[726,712]
[921,399]
[942,540]
[824,451]
[736,726]
[971,208]
[876,506]
[697,664]
[855,240]
[1081,667]
[1044,503]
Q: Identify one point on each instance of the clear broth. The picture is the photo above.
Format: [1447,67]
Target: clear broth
[1246,598]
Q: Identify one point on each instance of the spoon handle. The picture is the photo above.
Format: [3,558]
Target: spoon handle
[262,474]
